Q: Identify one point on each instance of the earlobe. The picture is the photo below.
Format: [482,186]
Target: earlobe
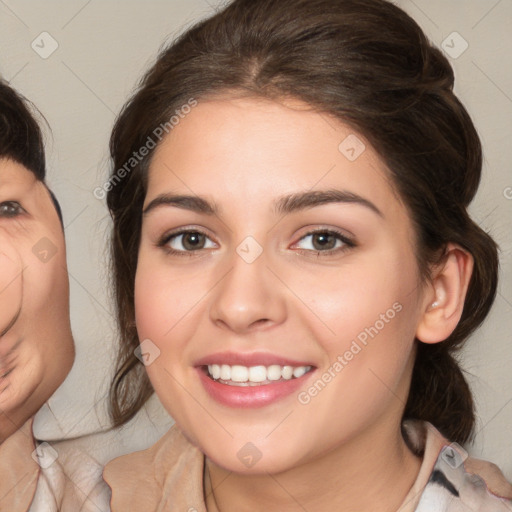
[444,299]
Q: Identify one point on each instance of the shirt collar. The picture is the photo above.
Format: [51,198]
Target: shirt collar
[19,469]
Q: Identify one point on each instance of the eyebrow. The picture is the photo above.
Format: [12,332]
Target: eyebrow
[282,205]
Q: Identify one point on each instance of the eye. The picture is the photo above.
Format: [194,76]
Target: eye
[186,241]
[325,241]
[10,209]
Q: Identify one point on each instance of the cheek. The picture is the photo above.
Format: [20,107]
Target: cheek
[164,302]
[372,297]
[370,310]
[46,276]
[11,284]
[164,315]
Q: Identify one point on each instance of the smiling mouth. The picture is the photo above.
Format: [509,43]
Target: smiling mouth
[245,376]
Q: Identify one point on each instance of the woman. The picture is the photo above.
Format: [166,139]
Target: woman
[292,250]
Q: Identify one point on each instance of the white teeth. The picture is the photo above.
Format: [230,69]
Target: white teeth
[225,372]
[257,373]
[214,371]
[299,372]
[239,373]
[242,374]
[274,372]
[287,372]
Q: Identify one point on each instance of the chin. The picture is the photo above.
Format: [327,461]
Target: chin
[248,459]
[13,399]
[259,468]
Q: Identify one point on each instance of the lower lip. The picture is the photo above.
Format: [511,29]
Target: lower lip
[246,397]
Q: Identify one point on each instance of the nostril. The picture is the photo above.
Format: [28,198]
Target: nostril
[261,321]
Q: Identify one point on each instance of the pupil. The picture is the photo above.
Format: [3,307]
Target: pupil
[324,240]
[192,240]
[8,209]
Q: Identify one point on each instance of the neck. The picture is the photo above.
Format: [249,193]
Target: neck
[7,428]
[374,471]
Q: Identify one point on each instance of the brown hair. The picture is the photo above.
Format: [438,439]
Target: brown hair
[369,64]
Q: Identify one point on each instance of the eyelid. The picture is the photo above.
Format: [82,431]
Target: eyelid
[343,234]
[185,229]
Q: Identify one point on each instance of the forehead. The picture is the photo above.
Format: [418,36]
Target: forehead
[14,174]
[262,149]
[19,184]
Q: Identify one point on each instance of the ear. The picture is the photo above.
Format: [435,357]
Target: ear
[444,297]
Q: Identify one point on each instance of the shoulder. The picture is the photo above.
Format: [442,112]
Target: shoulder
[19,469]
[143,479]
[491,474]
[459,482]
[70,479]
[161,455]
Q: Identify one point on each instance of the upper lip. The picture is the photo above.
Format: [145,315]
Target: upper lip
[249,359]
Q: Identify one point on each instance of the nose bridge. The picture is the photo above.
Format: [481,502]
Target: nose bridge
[247,295]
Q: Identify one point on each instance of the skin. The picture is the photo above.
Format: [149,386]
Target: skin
[36,346]
[343,450]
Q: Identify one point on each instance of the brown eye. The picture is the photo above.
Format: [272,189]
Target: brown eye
[10,209]
[324,241]
[193,240]
[186,241]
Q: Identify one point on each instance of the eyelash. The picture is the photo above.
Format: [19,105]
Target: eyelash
[347,242]
[11,204]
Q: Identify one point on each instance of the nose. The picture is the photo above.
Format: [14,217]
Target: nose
[248,297]
[11,284]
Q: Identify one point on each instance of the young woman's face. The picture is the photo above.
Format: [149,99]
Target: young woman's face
[36,346]
[277,292]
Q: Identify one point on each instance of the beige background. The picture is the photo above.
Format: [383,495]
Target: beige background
[103,47]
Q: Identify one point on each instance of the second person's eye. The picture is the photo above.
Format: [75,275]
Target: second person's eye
[10,209]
